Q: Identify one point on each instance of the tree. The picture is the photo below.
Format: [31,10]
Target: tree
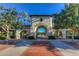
[68,18]
[8,17]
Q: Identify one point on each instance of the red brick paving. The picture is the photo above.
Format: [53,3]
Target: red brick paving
[2,47]
[41,49]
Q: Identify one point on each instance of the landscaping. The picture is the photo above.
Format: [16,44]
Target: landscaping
[51,37]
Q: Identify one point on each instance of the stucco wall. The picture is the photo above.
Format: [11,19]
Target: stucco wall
[47,22]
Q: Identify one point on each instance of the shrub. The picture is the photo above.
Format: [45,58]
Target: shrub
[76,37]
[69,37]
[12,37]
[2,38]
[51,37]
[31,37]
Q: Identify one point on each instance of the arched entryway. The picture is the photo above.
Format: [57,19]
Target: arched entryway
[41,32]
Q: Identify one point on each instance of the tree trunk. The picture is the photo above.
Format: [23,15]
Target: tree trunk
[8,35]
[72,35]
[57,33]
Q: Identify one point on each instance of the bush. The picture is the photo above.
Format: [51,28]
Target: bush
[51,37]
[69,37]
[12,37]
[2,38]
[76,37]
[31,37]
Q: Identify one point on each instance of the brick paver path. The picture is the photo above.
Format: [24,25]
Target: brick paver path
[2,47]
[41,48]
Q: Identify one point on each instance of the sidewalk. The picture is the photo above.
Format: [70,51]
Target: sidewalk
[24,48]
[13,51]
[65,49]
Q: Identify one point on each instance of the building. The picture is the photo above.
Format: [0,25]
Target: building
[41,21]
[44,22]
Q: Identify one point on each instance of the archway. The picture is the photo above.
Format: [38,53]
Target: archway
[41,32]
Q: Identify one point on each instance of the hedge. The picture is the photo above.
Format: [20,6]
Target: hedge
[2,38]
[31,37]
[51,37]
[69,37]
[76,37]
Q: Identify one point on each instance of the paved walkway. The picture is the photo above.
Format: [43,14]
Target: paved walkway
[13,51]
[65,49]
[39,48]
[2,47]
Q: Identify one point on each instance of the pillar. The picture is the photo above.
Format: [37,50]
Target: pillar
[64,33]
[18,34]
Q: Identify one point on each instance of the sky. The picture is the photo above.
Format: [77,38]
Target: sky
[41,29]
[35,8]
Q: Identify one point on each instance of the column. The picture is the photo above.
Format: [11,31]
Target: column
[18,34]
[64,33]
